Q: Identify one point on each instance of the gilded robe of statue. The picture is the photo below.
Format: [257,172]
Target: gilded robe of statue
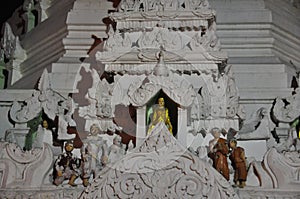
[160,114]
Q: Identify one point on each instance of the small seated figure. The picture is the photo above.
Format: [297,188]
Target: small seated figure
[91,154]
[238,160]
[160,114]
[115,152]
[66,166]
[218,150]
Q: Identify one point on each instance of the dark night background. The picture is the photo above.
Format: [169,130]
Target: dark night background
[7,9]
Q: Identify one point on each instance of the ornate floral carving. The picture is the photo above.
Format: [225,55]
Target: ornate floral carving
[175,86]
[23,112]
[196,4]
[43,99]
[159,168]
[50,102]
[258,126]
[287,109]
[162,5]
[128,5]
[20,156]
[282,168]
[135,15]
[218,98]
[170,40]
[152,54]
[117,41]
[206,39]
[100,109]
[24,168]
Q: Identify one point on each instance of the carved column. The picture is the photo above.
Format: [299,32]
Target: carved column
[141,125]
[182,126]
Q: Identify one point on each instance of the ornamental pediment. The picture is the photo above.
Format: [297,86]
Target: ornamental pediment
[175,86]
[160,166]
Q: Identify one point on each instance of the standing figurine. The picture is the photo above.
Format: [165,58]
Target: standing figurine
[92,152]
[66,166]
[218,151]
[115,152]
[238,160]
[160,114]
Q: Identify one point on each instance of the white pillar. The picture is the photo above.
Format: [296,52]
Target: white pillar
[182,126]
[141,125]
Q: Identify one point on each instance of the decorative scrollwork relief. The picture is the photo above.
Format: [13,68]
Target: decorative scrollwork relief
[287,109]
[23,112]
[100,109]
[160,168]
[44,99]
[20,156]
[117,41]
[283,168]
[207,39]
[218,98]
[161,5]
[170,40]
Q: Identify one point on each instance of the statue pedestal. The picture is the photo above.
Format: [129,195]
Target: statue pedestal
[282,132]
[16,136]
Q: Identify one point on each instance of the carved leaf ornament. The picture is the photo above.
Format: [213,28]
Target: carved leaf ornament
[287,109]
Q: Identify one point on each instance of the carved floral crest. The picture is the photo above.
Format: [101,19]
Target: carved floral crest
[100,109]
[218,98]
[45,99]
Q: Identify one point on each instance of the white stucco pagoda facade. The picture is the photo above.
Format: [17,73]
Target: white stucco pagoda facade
[86,64]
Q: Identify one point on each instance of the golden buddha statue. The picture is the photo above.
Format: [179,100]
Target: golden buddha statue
[160,114]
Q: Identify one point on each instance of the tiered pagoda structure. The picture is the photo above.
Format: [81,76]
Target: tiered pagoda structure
[94,71]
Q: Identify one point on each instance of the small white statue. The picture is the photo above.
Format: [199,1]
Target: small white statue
[91,154]
[116,151]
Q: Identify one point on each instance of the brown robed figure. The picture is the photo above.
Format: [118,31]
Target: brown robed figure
[238,161]
[218,151]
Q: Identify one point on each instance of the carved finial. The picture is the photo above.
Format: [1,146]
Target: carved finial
[161,69]
[110,31]
[44,82]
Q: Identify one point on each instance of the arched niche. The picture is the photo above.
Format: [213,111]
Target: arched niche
[169,104]
[178,92]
